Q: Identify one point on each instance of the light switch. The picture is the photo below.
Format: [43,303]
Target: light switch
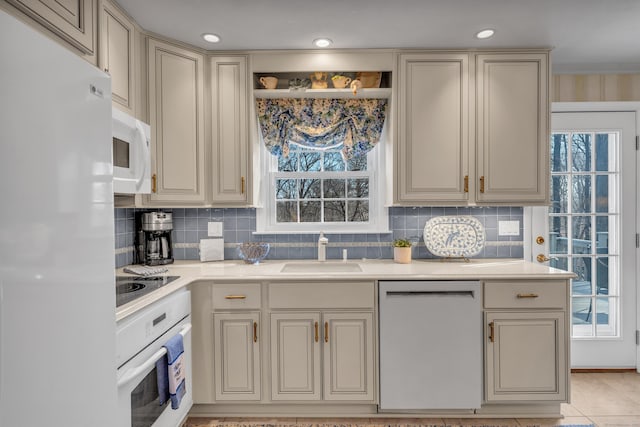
[214,229]
[508,228]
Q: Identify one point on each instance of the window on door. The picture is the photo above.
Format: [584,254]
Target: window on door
[584,225]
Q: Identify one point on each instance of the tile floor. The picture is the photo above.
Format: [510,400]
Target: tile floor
[603,399]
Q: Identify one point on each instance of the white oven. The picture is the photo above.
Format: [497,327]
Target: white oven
[139,344]
[131,154]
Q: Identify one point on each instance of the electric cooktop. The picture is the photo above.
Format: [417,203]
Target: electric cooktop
[129,288]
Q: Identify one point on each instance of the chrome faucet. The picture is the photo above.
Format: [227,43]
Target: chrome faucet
[322,247]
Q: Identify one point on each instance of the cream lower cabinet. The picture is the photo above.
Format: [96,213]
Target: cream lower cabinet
[237,356]
[526,345]
[176,109]
[322,341]
[322,356]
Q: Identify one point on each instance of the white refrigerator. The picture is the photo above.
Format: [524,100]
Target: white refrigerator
[57,291]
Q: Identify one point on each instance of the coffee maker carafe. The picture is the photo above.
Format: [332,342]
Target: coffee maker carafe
[154,238]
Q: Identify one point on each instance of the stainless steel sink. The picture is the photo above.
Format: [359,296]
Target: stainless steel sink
[320,267]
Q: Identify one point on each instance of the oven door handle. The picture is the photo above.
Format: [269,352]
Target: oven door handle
[132,373]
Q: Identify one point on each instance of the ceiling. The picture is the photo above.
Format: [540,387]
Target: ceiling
[587,36]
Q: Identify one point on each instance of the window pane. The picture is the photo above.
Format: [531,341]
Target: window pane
[602,193]
[558,239]
[602,234]
[561,263]
[581,152]
[288,164]
[602,276]
[334,211]
[333,162]
[309,188]
[309,161]
[581,193]
[286,188]
[310,212]
[333,188]
[559,152]
[602,153]
[358,188]
[602,311]
[287,211]
[358,210]
[357,163]
[581,285]
[582,309]
[581,235]
[559,194]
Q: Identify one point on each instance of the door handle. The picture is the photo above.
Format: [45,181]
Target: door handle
[316,331]
[255,331]
[542,258]
[326,331]
[491,332]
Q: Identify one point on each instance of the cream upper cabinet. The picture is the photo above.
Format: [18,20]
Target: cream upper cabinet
[526,346]
[433,131]
[176,110]
[472,128]
[72,20]
[229,130]
[116,54]
[512,113]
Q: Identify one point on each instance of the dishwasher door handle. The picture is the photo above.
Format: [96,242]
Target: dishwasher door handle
[431,293]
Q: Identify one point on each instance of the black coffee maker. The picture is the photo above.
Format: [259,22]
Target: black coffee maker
[154,238]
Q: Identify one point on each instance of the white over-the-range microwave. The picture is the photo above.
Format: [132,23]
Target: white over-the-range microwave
[131,154]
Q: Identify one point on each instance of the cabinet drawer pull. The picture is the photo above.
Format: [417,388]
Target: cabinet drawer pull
[326,331]
[520,296]
[491,332]
[235,297]
[482,184]
[466,183]
[316,330]
[154,182]
[255,331]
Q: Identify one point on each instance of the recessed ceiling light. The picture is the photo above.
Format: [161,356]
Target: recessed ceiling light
[211,38]
[485,34]
[323,42]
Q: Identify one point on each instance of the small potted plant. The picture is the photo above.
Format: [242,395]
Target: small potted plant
[402,251]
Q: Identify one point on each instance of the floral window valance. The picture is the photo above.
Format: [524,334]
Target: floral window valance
[354,125]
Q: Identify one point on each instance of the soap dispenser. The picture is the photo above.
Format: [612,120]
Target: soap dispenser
[322,247]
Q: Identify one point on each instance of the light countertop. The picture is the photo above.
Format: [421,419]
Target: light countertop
[270,270]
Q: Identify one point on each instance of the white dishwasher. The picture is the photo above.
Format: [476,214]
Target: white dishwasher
[430,345]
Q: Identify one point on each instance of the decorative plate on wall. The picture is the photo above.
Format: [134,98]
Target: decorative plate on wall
[454,236]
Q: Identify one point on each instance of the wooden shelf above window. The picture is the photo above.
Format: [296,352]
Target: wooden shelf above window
[322,93]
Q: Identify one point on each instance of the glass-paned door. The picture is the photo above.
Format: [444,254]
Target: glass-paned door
[591,231]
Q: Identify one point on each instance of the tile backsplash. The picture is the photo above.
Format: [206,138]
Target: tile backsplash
[190,225]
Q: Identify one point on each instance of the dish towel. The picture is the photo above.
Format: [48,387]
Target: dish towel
[171,373]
